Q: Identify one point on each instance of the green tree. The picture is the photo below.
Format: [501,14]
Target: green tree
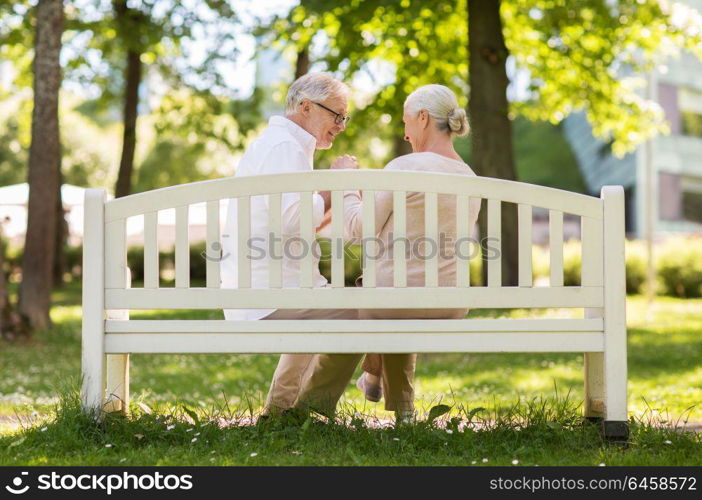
[134,39]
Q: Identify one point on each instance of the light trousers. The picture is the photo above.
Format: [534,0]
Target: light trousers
[326,379]
[294,370]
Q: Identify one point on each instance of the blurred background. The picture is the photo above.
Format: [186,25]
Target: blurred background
[134,95]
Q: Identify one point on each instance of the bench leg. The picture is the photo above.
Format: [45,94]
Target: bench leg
[117,383]
[118,369]
[594,386]
[93,386]
[616,423]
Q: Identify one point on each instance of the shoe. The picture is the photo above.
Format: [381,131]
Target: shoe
[372,392]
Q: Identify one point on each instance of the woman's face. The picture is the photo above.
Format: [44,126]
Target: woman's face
[415,128]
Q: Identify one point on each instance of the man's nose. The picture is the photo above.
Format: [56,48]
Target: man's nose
[342,126]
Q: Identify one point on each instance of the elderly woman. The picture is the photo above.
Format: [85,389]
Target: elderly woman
[432,118]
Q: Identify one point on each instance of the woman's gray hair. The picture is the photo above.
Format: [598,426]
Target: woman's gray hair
[315,87]
[442,105]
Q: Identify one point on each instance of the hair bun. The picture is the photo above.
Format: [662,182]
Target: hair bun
[458,121]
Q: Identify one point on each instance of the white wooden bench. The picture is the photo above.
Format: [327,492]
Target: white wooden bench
[109,336]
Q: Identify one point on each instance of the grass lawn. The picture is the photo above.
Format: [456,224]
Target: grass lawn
[523,407]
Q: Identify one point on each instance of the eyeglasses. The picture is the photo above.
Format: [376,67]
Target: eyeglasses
[339,118]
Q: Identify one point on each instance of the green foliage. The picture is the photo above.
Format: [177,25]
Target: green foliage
[541,153]
[578,53]
[680,267]
[166,260]
[13,158]
[636,263]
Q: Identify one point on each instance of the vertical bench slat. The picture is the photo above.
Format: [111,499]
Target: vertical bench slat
[369,243]
[555,239]
[337,240]
[182,250]
[150,250]
[115,254]
[214,245]
[307,234]
[275,260]
[463,236]
[494,216]
[431,234]
[399,246]
[244,230]
[525,245]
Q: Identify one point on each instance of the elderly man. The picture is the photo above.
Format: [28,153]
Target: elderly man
[316,112]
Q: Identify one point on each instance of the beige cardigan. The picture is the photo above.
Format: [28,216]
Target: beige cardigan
[384,222]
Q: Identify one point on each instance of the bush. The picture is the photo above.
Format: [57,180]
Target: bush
[679,264]
[636,263]
[74,260]
[572,258]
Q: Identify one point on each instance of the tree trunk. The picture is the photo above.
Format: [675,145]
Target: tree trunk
[491,128]
[131,103]
[61,239]
[44,167]
[128,23]
[302,63]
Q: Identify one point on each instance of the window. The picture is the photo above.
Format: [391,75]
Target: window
[690,102]
[692,206]
[691,123]
[691,198]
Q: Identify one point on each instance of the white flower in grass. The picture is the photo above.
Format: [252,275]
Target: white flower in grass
[197,433]
[395,439]
[108,445]
[515,461]
[473,462]
[44,429]
[485,460]
[193,440]
[449,431]
[668,441]
[295,452]
[122,460]
[602,464]
[189,430]
[253,454]
[170,427]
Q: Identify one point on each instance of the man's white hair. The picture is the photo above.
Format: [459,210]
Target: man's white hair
[315,87]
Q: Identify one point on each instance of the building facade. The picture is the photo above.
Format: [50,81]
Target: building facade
[675,160]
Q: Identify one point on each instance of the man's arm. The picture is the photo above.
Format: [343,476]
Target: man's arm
[288,157]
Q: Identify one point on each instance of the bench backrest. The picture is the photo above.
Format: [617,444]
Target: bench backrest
[105,248]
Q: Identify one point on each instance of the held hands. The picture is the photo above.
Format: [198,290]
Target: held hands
[345,162]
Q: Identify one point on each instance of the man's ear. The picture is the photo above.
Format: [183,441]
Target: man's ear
[306,107]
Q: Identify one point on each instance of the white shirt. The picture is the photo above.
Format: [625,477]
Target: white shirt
[283,147]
